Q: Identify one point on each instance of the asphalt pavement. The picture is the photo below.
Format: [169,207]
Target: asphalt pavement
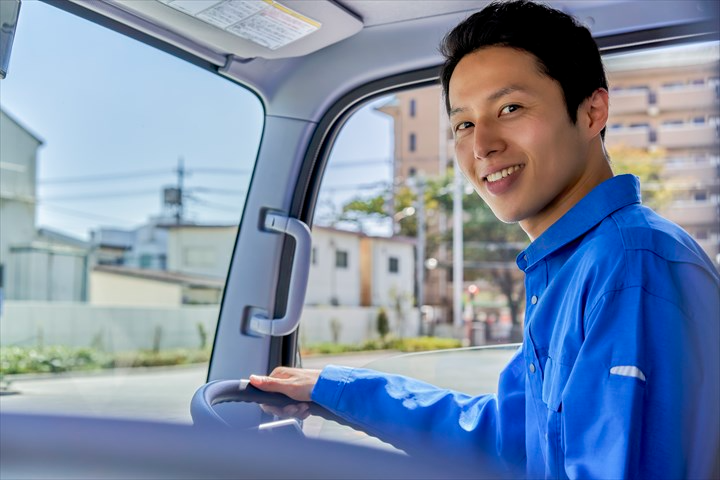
[160,394]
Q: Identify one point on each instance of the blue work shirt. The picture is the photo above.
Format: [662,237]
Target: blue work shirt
[619,372]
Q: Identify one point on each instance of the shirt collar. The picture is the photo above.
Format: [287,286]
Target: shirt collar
[611,195]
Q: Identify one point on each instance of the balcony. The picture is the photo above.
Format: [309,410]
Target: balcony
[692,213]
[628,101]
[638,137]
[687,135]
[687,97]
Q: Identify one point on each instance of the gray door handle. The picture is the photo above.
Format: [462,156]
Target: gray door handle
[259,322]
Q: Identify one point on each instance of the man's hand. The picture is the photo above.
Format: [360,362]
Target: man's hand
[296,383]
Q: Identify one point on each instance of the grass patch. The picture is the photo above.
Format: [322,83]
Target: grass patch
[58,359]
[415,344]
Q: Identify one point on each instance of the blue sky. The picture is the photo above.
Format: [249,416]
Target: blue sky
[115,116]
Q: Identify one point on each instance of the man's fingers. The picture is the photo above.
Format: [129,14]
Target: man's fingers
[267,384]
[296,383]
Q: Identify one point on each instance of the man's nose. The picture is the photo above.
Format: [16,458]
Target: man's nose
[487,141]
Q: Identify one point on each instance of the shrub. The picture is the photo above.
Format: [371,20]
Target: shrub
[58,359]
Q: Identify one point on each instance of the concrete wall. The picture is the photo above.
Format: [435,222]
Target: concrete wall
[353,324]
[132,328]
[116,329]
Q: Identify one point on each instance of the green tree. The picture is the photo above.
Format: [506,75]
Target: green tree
[489,250]
[648,167]
[489,245]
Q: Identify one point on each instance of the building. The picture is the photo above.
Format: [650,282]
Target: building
[353,269]
[18,171]
[203,250]
[669,101]
[136,287]
[424,149]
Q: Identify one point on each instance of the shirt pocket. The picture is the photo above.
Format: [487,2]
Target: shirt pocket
[554,380]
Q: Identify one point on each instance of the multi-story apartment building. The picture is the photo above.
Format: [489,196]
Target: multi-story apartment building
[423,148]
[668,100]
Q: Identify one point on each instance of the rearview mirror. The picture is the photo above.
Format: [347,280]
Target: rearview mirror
[9,12]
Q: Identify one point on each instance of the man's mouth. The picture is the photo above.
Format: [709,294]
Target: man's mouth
[499,175]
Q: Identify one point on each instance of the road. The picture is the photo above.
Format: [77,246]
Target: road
[161,394]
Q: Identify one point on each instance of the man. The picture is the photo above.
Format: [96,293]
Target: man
[618,375]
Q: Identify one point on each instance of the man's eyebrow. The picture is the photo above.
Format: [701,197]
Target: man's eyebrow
[505,91]
[456,110]
[497,94]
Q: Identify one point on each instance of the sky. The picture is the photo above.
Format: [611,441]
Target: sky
[116,116]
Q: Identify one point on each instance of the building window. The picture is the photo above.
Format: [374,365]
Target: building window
[700,196]
[413,107]
[393,265]
[412,143]
[145,260]
[341,259]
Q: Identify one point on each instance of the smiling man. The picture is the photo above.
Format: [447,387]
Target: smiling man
[619,372]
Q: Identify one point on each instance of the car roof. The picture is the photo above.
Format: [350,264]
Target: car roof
[361,41]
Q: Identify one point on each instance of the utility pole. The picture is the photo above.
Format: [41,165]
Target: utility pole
[419,184]
[180,181]
[457,248]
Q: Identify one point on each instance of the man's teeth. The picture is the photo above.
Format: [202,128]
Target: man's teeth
[494,177]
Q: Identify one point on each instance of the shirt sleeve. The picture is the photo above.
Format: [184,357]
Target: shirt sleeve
[413,415]
[642,398]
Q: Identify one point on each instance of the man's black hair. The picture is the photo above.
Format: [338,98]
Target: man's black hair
[564,49]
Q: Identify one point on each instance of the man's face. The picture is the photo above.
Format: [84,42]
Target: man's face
[514,140]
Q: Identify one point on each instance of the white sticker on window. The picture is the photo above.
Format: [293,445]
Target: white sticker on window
[628,371]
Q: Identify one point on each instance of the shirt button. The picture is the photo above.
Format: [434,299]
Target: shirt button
[534,299]
[532,368]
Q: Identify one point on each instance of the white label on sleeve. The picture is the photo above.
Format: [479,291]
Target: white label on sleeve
[628,371]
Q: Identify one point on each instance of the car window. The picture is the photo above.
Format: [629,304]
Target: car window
[124,173]
[383,266]
[663,128]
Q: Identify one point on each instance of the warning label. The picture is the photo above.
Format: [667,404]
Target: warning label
[264,22]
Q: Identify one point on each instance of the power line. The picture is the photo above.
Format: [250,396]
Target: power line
[359,163]
[220,171]
[219,206]
[142,173]
[218,191]
[106,177]
[80,214]
[355,186]
[98,196]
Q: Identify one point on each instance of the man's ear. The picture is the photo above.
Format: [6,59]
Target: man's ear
[594,112]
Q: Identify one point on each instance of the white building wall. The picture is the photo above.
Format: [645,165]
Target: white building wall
[329,284]
[200,250]
[53,274]
[149,248]
[18,153]
[112,289]
[388,287]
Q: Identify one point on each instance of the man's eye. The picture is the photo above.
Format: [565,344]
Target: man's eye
[509,109]
[463,126]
